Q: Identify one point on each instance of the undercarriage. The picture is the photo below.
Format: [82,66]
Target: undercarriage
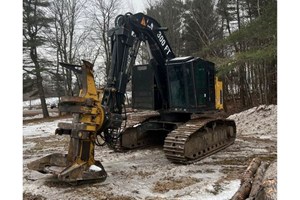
[183,142]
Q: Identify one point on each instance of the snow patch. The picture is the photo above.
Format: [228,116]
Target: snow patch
[40,116]
[260,121]
[42,129]
[95,168]
[37,102]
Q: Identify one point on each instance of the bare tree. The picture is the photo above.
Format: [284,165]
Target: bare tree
[68,36]
[103,14]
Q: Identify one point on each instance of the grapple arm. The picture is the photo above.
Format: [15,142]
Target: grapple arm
[88,117]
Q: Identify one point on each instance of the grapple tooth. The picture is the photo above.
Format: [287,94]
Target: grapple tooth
[42,164]
[82,172]
[73,173]
[72,99]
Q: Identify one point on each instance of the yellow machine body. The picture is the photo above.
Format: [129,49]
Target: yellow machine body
[219,94]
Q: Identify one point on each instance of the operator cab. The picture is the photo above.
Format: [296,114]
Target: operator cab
[189,85]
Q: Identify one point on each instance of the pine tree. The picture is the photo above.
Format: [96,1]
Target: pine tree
[169,13]
[250,52]
[34,21]
[201,26]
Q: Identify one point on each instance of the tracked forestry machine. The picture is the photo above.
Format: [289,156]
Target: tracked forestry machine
[183,91]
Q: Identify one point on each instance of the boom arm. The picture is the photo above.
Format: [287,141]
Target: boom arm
[130,30]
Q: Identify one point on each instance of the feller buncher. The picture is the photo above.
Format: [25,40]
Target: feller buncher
[184,92]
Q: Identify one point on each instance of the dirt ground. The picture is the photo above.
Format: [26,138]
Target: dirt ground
[146,173]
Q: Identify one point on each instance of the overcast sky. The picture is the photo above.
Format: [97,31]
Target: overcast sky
[135,6]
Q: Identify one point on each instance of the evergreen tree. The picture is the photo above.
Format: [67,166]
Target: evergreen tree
[201,26]
[34,21]
[169,13]
[250,53]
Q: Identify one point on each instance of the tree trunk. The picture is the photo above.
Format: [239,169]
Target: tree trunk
[33,56]
[248,85]
[249,10]
[259,75]
[242,86]
[258,8]
[266,91]
[238,13]
[273,83]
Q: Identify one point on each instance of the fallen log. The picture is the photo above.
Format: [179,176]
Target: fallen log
[243,191]
[246,181]
[258,179]
[268,190]
[251,170]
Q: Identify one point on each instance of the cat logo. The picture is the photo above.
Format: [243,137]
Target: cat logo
[143,22]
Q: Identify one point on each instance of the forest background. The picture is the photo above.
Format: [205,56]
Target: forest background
[239,36]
